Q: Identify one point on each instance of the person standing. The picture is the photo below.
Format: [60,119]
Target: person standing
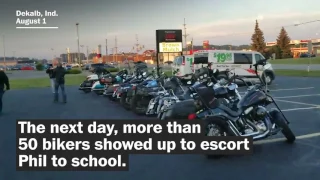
[100,71]
[59,73]
[52,78]
[4,81]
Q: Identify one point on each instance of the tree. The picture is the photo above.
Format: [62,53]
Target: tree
[39,66]
[258,42]
[283,42]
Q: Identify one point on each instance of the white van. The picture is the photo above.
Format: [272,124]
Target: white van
[240,62]
[183,65]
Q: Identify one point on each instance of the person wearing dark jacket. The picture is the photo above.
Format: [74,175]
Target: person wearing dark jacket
[52,78]
[4,81]
[59,74]
[100,71]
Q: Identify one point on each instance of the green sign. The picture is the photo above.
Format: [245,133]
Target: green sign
[223,57]
[190,60]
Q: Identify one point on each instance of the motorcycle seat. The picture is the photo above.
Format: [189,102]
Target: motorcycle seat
[229,111]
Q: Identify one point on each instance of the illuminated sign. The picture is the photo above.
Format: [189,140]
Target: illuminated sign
[170,47]
[170,36]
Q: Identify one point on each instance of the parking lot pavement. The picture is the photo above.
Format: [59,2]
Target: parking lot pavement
[272,158]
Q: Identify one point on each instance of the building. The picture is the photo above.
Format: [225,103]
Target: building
[301,46]
[73,57]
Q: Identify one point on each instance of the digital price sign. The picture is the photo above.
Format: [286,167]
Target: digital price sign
[169,40]
[169,36]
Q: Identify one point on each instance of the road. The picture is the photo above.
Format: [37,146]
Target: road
[298,97]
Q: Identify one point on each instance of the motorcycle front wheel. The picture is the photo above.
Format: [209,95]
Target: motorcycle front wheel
[123,101]
[280,121]
[216,126]
[134,105]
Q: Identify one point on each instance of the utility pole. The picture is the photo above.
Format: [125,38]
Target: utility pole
[138,47]
[185,34]
[68,55]
[78,41]
[107,47]
[116,47]
[87,54]
[4,53]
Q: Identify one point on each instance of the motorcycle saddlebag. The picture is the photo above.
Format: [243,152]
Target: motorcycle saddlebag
[86,84]
[181,110]
[110,80]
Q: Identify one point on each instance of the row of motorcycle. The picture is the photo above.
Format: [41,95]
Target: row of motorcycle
[217,102]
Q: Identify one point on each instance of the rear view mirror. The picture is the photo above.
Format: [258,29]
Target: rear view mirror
[189,82]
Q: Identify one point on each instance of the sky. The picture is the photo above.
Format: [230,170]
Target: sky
[219,22]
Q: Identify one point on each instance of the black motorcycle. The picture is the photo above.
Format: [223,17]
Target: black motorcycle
[250,119]
[123,89]
[144,92]
[128,90]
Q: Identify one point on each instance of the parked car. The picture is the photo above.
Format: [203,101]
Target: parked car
[114,63]
[86,67]
[94,66]
[26,68]
[68,67]
[17,67]
[9,68]
[108,66]
[305,55]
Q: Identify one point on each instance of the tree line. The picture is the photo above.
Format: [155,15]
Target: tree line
[282,49]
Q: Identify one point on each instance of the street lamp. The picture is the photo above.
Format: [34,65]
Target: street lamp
[77,25]
[82,52]
[4,53]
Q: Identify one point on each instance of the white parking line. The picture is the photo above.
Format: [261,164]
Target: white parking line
[296,109]
[306,136]
[294,102]
[283,97]
[291,89]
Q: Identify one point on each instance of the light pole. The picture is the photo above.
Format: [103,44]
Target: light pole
[77,25]
[4,53]
[81,52]
[54,54]
[87,54]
